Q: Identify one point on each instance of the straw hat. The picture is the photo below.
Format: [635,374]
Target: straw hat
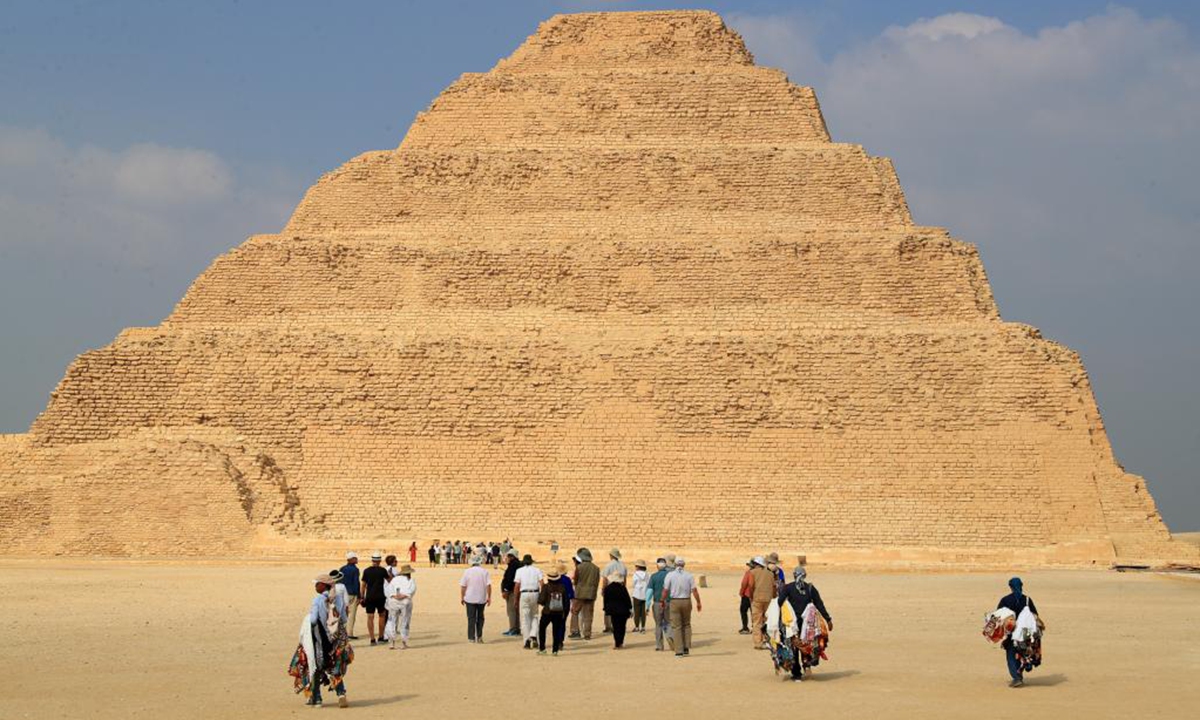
[639,564]
[554,573]
[326,579]
[405,570]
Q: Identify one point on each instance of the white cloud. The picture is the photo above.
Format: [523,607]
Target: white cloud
[1067,142]
[959,24]
[136,203]
[1068,154]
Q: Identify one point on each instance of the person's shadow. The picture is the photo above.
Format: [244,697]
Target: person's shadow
[1045,680]
[381,700]
[819,676]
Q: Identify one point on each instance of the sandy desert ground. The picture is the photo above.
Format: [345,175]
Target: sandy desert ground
[203,639]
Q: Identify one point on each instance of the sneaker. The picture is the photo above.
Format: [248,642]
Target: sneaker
[479,640]
[605,631]
[555,653]
[343,702]
[527,645]
[313,703]
[352,637]
[543,652]
[744,631]
[574,636]
[679,654]
[372,641]
[687,652]
[798,679]
[1016,683]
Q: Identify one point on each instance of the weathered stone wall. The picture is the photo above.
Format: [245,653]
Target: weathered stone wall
[623,284]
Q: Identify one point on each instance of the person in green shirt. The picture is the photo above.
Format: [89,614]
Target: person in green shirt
[654,593]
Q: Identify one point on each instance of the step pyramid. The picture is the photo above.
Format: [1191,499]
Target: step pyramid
[623,288]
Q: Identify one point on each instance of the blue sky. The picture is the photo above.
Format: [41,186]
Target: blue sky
[138,140]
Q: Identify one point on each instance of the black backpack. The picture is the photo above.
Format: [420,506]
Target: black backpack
[556,597]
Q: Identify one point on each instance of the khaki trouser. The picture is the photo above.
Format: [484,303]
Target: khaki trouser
[661,626]
[681,623]
[513,605]
[758,616]
[582,612]
[529,615]
[351,613]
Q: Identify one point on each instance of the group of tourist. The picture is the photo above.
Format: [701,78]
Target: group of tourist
[460,552]
[537,600]
[788,618]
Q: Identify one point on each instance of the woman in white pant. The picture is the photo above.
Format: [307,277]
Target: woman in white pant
[399,591]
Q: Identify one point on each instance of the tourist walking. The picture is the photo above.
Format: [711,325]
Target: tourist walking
[679,590]
[412,552]
[433,554]
[587,586]
[400,591]
[527,586]
[508,584]
[761,588]
[350,580]
[614,567]
[637,590]
[658,607]
[808,643]
[1027,654]
[554,599]
[617,607]
[744,595]
[475,593]
[373,580]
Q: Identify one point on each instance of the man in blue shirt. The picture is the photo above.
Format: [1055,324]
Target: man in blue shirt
[350,579]
[654,591]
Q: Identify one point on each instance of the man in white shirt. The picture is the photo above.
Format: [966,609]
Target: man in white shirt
[527,584]
[400,591]
[475,593]
[678,591]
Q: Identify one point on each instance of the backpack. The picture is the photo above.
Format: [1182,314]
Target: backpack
[555,597]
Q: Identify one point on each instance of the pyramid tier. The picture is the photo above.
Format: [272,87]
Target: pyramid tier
[552,276]
[959,414]
[681,39]
[816,185]
[620,108]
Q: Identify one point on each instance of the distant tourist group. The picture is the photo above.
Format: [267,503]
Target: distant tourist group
[787,618]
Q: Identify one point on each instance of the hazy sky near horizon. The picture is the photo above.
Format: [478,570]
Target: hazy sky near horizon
[138,140]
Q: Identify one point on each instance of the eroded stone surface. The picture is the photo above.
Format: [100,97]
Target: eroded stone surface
[623,281]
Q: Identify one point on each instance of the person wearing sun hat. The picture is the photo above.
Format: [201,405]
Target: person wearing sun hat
[475,593]
[323,657]
[554,599]
[587,587]
[373,599]
[638,587]
[399,590]
[614,567]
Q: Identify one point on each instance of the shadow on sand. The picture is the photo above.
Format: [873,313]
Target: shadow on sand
[380,701]
[1045,680]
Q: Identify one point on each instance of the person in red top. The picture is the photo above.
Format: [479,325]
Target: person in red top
[412,552]
[745,592]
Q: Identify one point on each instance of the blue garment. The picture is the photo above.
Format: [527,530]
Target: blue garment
[570,588]
[351,579]
[654,589]
[1014,664]
[319,612]
[320,607]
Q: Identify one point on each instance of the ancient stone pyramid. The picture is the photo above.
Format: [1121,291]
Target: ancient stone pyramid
[621,288]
